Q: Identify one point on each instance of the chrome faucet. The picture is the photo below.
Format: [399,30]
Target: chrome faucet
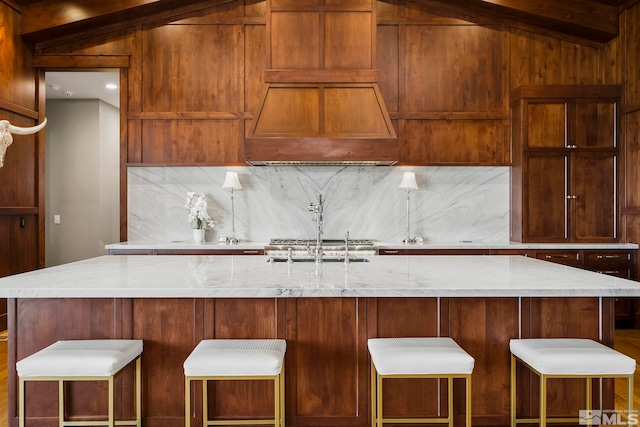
[346,247]
[317,209]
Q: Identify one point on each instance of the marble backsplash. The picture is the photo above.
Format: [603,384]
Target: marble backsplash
[452,204]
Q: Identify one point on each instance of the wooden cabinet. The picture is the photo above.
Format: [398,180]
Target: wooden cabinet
[426,251]
[573,258]
[565,164]
[620,263]
[19,246]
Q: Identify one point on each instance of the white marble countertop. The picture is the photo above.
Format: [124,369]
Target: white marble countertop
[241,276]
[186,245]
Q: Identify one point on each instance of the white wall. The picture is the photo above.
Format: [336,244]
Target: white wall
[82,168]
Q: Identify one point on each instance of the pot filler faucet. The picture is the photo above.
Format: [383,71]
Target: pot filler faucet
[317,209]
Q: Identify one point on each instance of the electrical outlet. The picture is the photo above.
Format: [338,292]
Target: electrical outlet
[56,219]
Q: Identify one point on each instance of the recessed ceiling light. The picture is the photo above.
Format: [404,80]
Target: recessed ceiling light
[55,87]
[111,86]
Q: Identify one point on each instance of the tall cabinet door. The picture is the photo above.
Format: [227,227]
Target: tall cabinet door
[593,170]
[546,197]
[564,185]
[546,125]
[593,196]
[595,124]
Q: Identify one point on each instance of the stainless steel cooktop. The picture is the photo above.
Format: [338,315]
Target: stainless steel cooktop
[325,242]
[301,247]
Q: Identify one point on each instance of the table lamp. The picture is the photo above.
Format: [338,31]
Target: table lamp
[231,182]
[409,183]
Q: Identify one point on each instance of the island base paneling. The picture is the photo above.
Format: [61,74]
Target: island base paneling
[565,318]
[327,362]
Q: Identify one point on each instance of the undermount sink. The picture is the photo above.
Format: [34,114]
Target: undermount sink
[310,259]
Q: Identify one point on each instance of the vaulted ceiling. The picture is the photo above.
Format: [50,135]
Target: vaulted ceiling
[588,20]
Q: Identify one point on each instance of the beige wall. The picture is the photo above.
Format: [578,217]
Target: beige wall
[82,179]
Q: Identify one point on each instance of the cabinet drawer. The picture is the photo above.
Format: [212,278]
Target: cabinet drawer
[603,260]
[625,273]
[131,252]
[572,258]
[423,251]
[210,252]
[392,252]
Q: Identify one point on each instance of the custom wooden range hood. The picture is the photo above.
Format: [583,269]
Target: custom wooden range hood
[322,103]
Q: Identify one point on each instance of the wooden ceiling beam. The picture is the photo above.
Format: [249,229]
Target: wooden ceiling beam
[52,19]
[588,20]
[585,19]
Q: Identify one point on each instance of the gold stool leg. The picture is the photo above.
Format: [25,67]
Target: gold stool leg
[276,398]
[61,402]
[205,404]
[139,392]
[543,401]
[112,421]
[374,390]
[21,402]
[468,393]
[379,400]
[629,398]
[187,402]
[450,401]
[513,391]
[588,403]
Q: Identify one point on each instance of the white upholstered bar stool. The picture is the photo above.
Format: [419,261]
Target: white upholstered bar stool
[236,359]
[567,358]
[82,360]
[418,358]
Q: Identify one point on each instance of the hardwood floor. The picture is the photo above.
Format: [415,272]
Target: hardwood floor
[627,341]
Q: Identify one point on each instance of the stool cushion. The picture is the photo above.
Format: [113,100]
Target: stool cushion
[571,356]
[394,356]
[232,357]
[80,358]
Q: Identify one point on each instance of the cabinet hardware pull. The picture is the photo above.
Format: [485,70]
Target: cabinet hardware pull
[608,257]
[557,256]
[572,197]
[390,252]
[250,252]
[571,147]
[608,271]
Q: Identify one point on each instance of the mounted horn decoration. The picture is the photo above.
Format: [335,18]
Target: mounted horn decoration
[6,139]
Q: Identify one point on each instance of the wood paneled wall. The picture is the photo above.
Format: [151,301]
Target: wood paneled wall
[21,178]
[630,124]
[195,83]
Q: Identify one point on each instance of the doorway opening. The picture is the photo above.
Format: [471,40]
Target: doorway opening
[82,172]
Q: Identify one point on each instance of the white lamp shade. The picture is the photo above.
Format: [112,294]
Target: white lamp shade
[409,181]
[231,181]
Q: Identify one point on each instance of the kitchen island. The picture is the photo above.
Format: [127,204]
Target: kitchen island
[326,313]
